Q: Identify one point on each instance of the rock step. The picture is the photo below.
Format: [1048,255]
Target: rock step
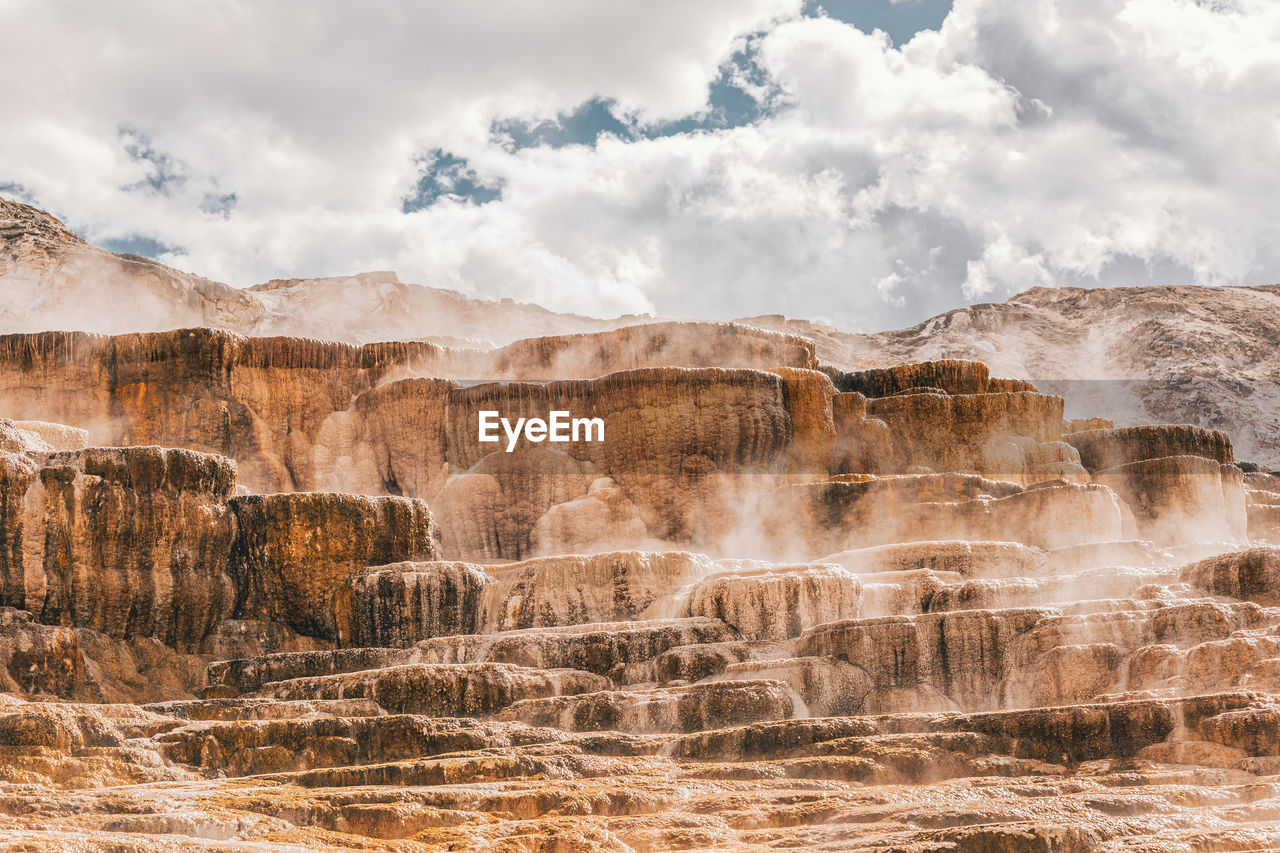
[564,765]
[1071,733]
[615,785]
[203,710]
[977,660]
[230,678]
[947,661]
[1238,727]
[1106,448]
[765,601]
[1099,555]
[598,647]
[243,748]
[693,662]
[1249,575]
[1056,591]
[695,707]
[837,515]
[827,687]
[440,690]
[970,559]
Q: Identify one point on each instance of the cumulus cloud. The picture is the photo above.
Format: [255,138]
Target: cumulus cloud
[1043,142]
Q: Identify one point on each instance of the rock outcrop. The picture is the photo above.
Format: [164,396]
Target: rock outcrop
[295,553]
[777,602]
[129,542]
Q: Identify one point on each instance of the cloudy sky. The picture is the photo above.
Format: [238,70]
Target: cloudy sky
[862,162]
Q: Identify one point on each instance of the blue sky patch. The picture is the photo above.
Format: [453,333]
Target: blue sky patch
[17,192]
[448,175]
[162,171]
[741,95]
[218,205]
[579,127]
[730,103]
[901,20]
[137,244]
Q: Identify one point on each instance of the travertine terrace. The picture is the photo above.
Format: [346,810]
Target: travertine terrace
[271,593]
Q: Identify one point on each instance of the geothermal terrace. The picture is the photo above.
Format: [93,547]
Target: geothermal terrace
[273,594]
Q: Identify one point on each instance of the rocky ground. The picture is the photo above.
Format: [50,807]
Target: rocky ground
[271,593]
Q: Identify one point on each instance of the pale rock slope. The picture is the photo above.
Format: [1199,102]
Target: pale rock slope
[1176,354]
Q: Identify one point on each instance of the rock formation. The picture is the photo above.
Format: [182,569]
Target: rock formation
[274,593]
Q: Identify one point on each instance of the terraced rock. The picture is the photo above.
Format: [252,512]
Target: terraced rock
[298,605]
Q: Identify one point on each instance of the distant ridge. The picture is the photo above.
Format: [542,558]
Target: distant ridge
[53,279]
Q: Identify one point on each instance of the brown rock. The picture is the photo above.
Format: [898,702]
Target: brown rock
[440,690]
[1251,575]
[126,541]
[400,604]
[609,587]
[672,709]
[951,376]
[1182,499]
[1109,448]
[771,602]
[296,553]
[246,675]
[597,647]
[962,655]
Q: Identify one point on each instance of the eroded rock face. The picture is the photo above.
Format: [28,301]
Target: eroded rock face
[141,552]
[1250,575]
[602,648]
[957,656]
[125,541]
[77,663]
[299,414]
[777,602]
[845,514]
[971,559]
[674,709]
[571,590]
[695,453]
[1101,449]
[440,690]
[400,604]
[977,432]
[292,411]
[40,660]
[953,376]
[600,520]
[296,552]
[1182,499]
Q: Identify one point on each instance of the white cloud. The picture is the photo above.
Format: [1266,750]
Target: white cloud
[1004,265]
[1038,142]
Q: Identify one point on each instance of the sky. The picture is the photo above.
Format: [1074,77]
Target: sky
[864,163]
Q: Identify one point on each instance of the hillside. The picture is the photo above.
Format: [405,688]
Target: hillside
[1173,354]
